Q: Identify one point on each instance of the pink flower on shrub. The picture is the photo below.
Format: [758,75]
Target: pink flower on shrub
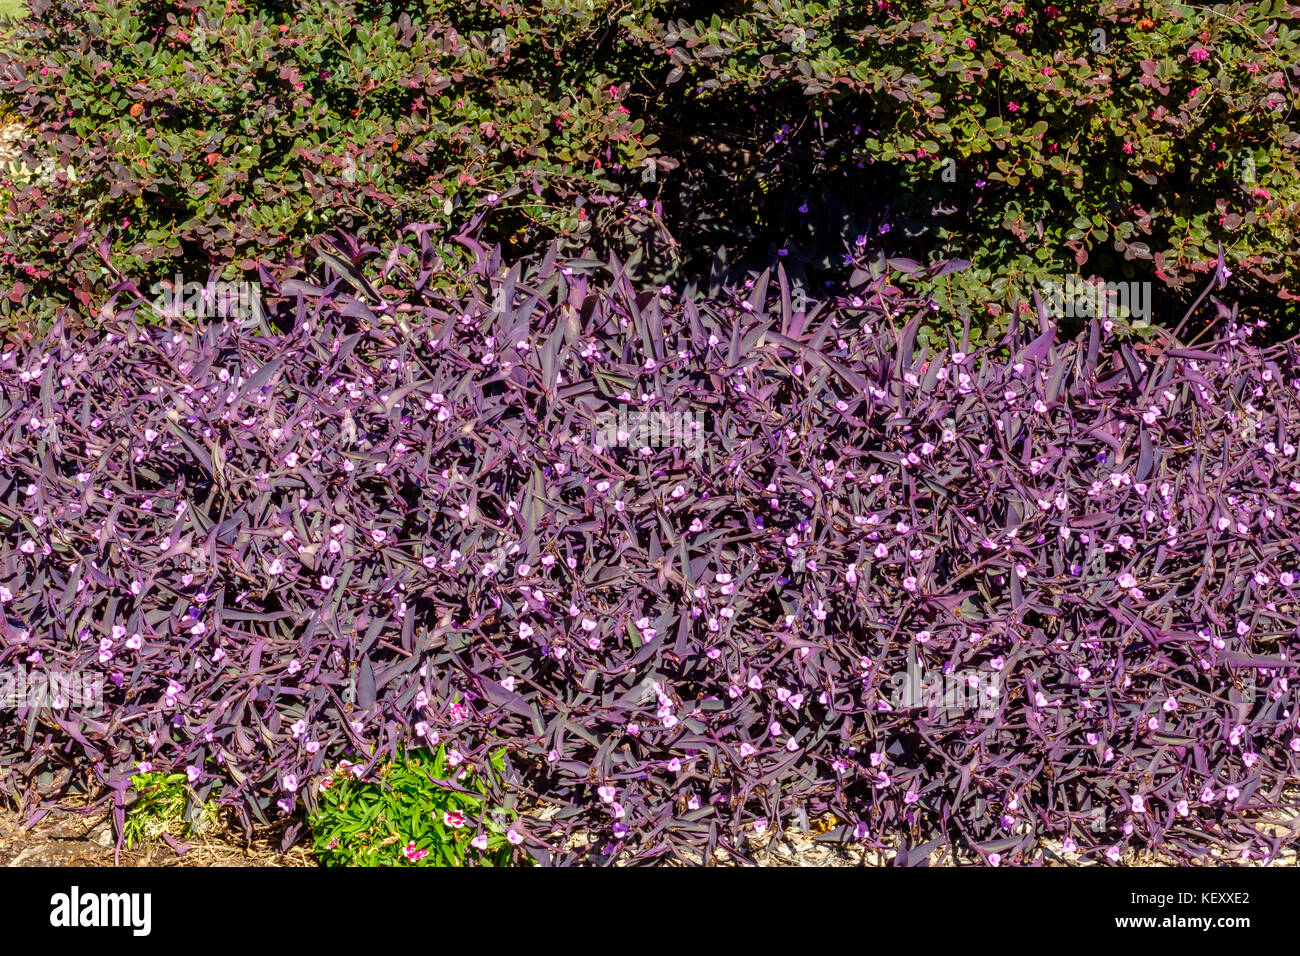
[454,819]
[412,853]
[1198,54]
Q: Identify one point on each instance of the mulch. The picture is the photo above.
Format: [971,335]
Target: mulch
[67,838]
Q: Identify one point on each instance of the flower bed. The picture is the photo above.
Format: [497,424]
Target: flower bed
[697,569]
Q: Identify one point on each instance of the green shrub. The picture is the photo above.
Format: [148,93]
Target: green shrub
[1120,138]
[222,135]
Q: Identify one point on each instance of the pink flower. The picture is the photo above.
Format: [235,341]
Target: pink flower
[454,819]
[412,853]
[1198,54]
[514,837]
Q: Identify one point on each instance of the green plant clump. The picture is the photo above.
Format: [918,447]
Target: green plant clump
[417,810]
[164,804]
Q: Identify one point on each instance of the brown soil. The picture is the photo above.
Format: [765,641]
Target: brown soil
[70,839]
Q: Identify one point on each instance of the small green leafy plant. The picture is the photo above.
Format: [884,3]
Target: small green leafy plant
[165,804]
[409,815]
